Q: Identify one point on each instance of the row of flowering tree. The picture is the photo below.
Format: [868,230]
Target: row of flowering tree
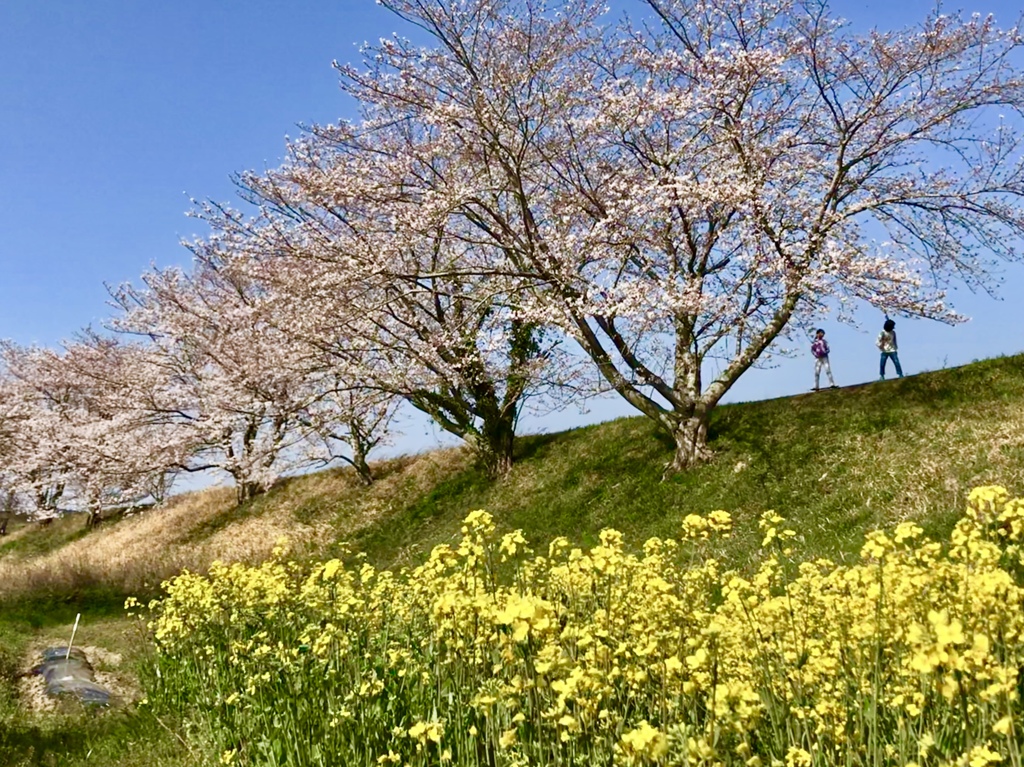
[536,201]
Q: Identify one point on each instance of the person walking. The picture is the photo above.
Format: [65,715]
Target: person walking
[887,344]
[820,350]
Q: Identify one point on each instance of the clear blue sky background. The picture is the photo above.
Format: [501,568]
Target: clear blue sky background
[114,112]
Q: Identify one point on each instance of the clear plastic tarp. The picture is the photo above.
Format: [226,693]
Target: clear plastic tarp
[71,675]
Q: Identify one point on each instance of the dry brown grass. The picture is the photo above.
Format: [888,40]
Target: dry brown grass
[195,529]
[131,553]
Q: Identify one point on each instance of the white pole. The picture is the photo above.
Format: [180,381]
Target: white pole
[75,629]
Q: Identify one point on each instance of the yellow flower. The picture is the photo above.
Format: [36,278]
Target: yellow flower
[980,756]
[698,659]
[925,744]
[720,521]
[946,631]
[427,731]
[645,741]
[695,527]
[798,757]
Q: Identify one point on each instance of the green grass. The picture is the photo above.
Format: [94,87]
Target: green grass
[836,464]
[36,539]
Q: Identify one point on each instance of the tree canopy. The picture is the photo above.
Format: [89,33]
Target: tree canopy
[536,205]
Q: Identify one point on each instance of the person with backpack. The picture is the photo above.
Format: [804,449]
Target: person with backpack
[820,350]
[886,343]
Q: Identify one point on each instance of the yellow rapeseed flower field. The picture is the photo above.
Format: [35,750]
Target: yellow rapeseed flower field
[491,654]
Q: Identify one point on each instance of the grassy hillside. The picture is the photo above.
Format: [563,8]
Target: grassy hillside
[834,463]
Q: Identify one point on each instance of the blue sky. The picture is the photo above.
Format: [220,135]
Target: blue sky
[114,112]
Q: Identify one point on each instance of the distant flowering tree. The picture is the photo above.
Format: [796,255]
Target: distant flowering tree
[345,422]
[224,377]
[130,447]
[10,426]
[687,192]
[75,438]
[336,413]
[31,445]
[250,398]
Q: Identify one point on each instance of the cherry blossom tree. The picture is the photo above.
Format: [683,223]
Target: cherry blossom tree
[250,400]
[75,442]
[344,422]
[12,417]
[43,416]
[734,169]
[366,272]
[224,379]
[335,415]
[127,447]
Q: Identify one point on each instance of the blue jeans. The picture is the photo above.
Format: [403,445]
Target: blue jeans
[896,361]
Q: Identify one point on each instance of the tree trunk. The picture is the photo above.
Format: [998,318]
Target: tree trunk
[93,519]
[494,447]
[360,446]
[497,464]
[691,441]
[362,469]
[246,491]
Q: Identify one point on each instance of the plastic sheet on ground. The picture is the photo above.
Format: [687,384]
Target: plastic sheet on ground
[72,675]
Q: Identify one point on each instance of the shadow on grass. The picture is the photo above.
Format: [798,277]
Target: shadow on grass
[386,538]
[90,737]
[230,515]
[33,745]
[39,610]
[44,539]
[534,446]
